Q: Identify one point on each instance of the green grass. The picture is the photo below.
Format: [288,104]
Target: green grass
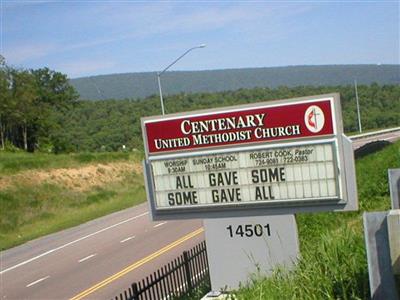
[333,263]
[30,212]
[333,260]
[11,163]
[198,292]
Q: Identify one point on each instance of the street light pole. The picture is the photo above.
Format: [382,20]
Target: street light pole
[170,65]
[160,91]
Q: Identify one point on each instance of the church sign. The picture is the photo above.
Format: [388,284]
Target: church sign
[267,158]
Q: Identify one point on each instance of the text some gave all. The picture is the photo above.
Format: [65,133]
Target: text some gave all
[186,193]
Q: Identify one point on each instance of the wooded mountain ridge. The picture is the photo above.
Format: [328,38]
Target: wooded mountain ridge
[110,124]
[141,85]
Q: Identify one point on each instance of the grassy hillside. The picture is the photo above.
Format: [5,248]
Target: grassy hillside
[333,263]
[140,85]
[41,194]
[11,163]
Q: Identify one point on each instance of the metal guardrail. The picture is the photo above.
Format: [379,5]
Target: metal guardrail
[373,133]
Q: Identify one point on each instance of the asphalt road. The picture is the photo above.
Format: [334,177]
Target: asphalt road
[101,258]
[86,261]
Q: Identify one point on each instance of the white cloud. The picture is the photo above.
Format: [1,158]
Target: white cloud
[8,4]
[20,53]
[128,22]
[84,67]
[145,23]
[109,23]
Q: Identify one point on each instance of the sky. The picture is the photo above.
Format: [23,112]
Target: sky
[85,38]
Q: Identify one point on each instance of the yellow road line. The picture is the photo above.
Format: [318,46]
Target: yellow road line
[137,264]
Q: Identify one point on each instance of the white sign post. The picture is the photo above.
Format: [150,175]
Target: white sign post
[238,248]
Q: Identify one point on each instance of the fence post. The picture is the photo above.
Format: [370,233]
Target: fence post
[187,270]
[135,291]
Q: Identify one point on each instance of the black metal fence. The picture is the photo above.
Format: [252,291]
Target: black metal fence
[179,278]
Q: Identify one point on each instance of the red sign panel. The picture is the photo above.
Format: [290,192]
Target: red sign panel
[248,125]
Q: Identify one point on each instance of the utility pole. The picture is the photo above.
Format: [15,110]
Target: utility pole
[358,107]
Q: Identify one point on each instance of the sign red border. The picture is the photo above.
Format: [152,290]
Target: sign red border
[306,119]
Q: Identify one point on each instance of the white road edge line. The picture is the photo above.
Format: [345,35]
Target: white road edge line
[160,224]
[127,239]
[71,243]
[87,257]
[37,281]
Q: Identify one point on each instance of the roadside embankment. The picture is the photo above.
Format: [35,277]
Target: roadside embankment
[41,194]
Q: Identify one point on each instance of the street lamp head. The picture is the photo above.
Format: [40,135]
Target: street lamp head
[171,64]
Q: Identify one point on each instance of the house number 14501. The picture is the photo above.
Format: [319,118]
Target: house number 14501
[249,230]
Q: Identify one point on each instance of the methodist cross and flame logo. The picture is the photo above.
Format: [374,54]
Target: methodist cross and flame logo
[314,118]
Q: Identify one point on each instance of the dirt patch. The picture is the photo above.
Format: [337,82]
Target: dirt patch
[79,179]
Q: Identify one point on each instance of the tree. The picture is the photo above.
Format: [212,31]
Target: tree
[28,100]
[27,106]
[5,99]
[54,88]
[55,94]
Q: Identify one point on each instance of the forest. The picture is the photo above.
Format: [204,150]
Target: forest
[29,100]
[39,111]
[110,124]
